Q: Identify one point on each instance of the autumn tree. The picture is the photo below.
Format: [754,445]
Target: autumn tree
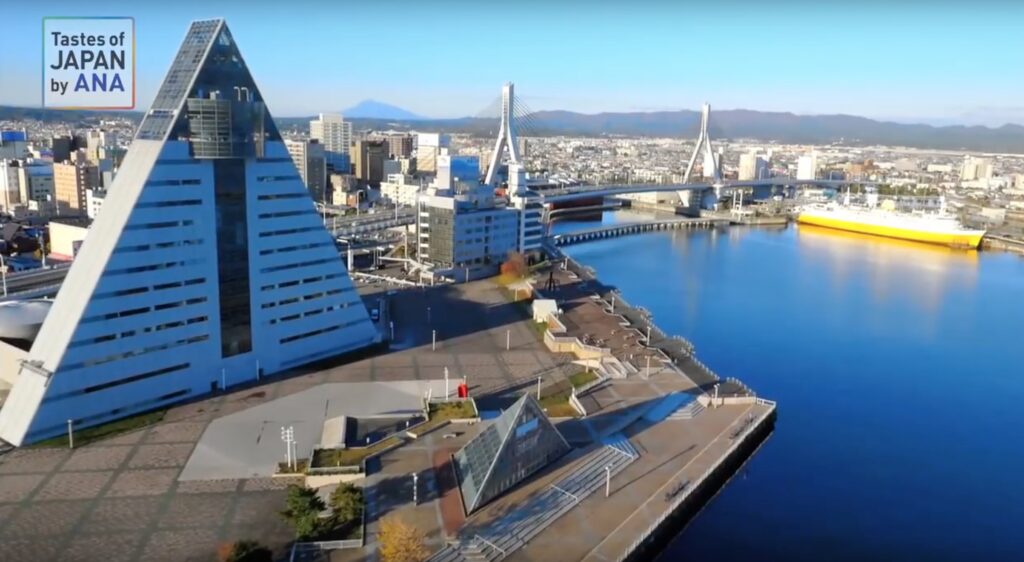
[515,266]
[244,551]
[400,541]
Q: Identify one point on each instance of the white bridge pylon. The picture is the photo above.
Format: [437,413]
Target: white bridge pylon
[704,144]
[506,134]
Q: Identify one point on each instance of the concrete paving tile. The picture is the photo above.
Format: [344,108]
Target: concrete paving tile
[74,486]
[16,487]
[98,457]
[152,482]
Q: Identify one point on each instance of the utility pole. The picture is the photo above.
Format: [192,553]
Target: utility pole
[288,436]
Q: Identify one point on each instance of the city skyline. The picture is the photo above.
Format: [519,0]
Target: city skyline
[907,64]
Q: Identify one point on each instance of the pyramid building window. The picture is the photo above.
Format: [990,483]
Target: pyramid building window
[517,444]
[222,270]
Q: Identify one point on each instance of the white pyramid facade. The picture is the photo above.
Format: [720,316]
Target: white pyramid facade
[208,267]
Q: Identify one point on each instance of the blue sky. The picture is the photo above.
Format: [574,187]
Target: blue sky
[937,62]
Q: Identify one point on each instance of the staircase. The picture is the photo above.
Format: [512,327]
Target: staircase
[515,529]
[687,412]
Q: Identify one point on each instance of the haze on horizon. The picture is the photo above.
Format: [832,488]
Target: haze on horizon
[939,63]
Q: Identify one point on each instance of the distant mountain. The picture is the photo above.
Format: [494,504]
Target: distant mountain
[727,124]
[372,109]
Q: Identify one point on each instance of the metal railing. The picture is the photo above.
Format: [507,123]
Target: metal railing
[490,544]
[653,527]
[322,546]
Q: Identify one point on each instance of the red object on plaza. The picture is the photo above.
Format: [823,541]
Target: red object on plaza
[463,391]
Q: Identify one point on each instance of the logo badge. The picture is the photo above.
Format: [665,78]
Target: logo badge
[89,63]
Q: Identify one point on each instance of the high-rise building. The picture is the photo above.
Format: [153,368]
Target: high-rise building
[457,172]
[35,179]
[399,145]
[60,147]
[975,168]
[428,148]
[13,145]
[466,235]
[807,167]
[96,140]
[208,267]
[336,135]
[71,179]
[10,185]
[311,161]
[753,166]
[368,160]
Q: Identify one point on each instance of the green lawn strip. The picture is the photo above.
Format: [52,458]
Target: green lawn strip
[95,433]
[300,467]
[444,411]
[554,399]
[353,456]
[454,410]
[582,378]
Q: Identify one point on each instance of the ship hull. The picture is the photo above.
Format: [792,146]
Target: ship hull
[966,239]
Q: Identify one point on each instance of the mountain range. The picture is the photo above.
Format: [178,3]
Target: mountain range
[726,124]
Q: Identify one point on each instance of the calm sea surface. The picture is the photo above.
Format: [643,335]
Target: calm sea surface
[899,372]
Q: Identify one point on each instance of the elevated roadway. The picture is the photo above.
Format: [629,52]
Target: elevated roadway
[591,191]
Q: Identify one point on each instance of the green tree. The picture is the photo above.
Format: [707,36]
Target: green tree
[303,508]
[347,503]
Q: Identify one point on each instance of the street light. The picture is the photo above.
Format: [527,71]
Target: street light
[288,436]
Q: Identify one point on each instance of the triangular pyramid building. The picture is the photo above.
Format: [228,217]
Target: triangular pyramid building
[208,267]
[518,443]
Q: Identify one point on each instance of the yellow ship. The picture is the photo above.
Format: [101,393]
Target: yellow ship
[918,227]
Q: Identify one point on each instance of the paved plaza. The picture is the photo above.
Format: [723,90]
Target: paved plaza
[122,499]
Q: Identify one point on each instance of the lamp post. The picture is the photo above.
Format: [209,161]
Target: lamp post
[288,436]
[607,481]
[433,340]
[446,384]
[415,488]
[508,340]
[71,435]
[538,387]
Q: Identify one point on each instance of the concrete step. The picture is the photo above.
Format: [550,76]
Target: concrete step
[687,412]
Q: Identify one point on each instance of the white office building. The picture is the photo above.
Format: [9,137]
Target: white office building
[336,135]
[428,147]
[531,212]
[753,166]
[807,167]
[466,235]
[208,267]
[401,189]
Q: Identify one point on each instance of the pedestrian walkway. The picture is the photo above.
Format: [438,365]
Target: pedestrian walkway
[501,537]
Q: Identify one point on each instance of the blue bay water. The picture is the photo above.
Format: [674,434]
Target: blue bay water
[899,372]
